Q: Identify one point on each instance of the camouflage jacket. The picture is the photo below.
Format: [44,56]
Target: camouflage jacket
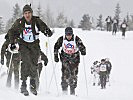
[67,57]
[7,54]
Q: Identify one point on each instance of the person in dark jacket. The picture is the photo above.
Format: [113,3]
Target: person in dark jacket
[109,23]
[123,28]
[109,68]
[70,58]
[103,73]
[13,63]
[27,30]
[115,26]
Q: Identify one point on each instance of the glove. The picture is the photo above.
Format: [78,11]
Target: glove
[56,59]
[13,46]
[83,53]
[46,62]
[2,62]
[49,32]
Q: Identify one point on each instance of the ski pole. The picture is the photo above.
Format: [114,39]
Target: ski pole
[53,67]
[10,63]
[0,68]
[51,77]
[38,80]
[85,76]
[46,78]
[46,44]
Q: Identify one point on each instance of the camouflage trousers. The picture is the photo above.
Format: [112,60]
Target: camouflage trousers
[103,77]
[69,75]
[29,53]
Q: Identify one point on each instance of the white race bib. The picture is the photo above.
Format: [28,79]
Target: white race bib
[108,20]
[123,25]
[69,47]
[28,35]
[103,68]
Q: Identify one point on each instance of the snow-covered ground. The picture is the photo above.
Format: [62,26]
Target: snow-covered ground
[99,45]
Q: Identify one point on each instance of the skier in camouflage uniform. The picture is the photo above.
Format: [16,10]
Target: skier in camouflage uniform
[95,72]
[27,30]
[103,73]
[109,68]
[42,58]
[15,63]
[109,23]
[123,28]
[115,26]
[70,58]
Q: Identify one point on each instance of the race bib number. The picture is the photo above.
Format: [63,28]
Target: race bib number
[103,68]
[69,48]
[108,20]
[123,25]
[28,35]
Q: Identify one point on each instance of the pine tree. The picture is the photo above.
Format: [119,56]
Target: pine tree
[39,12]
[60,21]
[48,18]
[93,25]
[1,26]
[100,22]
[85,23]
[71,23]
[127,18]
[131,18]
[130,22]
[117,12]
[17,13]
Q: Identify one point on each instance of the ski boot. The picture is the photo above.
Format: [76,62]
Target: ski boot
[65,91]
[72,91]
[8,84]
[23,89]
[33,86]
[33,90]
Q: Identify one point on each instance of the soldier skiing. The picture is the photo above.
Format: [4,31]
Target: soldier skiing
[115,26]
[109,68]
[109,23]
[27,30]
[70,58]
[95,72]
[103,73]
[123,28]
[12,62]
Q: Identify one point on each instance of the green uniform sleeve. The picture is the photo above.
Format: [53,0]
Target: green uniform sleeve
[80,45]
[58,44]
[13,30]
[3,49]
[44,28]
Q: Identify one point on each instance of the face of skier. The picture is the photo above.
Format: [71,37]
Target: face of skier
[69,37]
[27,16]
[102,62]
